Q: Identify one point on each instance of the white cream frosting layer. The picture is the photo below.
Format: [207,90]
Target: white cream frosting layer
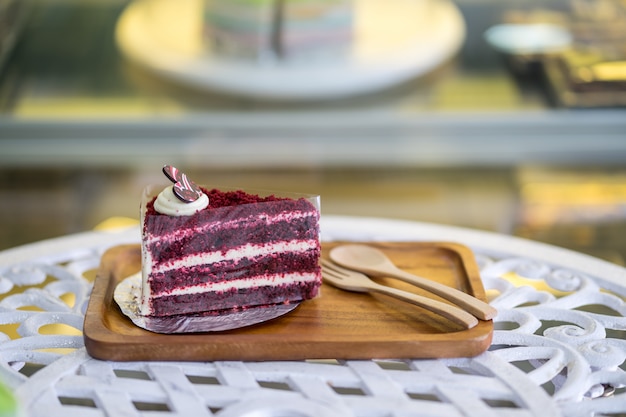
[259,281]
[168,203]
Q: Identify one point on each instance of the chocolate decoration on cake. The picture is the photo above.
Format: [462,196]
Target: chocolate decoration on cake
[185,189]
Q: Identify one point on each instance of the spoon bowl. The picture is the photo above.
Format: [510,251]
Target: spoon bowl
[363,258]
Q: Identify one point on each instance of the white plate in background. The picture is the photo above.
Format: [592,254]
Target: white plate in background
[395,41]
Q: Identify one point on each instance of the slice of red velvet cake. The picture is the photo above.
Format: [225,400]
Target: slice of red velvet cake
[240,251]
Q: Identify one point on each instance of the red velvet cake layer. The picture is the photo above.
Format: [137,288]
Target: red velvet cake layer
[251,297]
[215,237]
[232,270]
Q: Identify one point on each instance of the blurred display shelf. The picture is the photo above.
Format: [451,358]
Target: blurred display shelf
[69,98]
[354,139]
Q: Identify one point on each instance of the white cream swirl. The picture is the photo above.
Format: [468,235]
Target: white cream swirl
[168,203]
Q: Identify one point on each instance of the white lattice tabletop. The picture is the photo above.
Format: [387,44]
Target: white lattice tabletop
[559,348]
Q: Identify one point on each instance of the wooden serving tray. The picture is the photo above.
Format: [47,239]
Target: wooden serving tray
[336,325]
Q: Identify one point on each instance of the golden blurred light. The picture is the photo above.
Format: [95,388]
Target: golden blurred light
[590,193]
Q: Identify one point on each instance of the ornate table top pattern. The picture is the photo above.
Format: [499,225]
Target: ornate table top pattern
[559,348]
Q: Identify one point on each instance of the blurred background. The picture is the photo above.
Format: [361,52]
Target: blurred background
[506,116]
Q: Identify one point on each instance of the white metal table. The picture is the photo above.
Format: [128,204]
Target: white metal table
[559,348]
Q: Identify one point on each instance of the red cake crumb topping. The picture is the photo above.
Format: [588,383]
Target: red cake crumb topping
[219,199]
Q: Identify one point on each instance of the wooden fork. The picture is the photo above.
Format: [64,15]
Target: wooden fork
[355,281]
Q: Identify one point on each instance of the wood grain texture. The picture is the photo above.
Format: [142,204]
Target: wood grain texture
[335,325]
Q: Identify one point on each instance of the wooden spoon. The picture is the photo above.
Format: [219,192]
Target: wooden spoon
[375,263]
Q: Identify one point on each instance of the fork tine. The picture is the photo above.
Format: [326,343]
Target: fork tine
[335,269]
[327,269]
[326,262]
[328,265]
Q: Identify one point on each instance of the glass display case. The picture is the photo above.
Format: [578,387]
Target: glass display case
[67,86]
